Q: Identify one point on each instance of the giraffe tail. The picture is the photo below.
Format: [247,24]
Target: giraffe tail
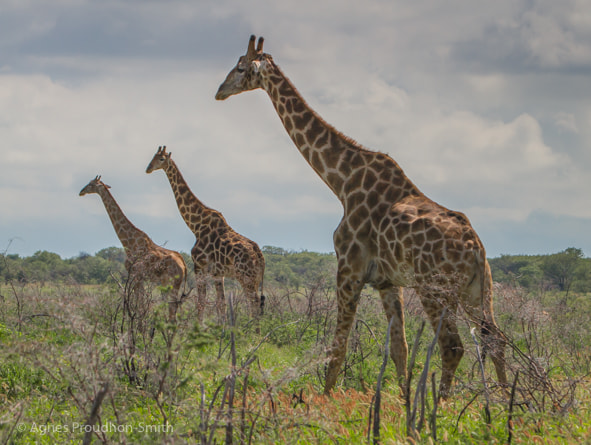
[483,272]
[494,339]
[261,263]
[262,298]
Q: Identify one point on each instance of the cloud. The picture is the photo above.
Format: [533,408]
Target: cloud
[566,122]
[558,35]
[540,34]
[485,106]
[466,148]
[540,232]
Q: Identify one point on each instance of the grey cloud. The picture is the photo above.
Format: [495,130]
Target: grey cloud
[456,93]
[543,36]
[43,36]
[540,232]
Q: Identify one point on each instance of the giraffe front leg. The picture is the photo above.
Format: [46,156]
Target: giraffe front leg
[348,293]
[393,304]
[221,300]
[201,291]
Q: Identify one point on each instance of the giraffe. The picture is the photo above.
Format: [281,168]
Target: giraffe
[219,251]
[391,235]
[144,258]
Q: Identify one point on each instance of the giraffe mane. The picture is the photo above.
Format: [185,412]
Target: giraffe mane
[340,134]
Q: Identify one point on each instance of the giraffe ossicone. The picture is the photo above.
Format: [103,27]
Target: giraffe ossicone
[145,260]
[219,251]
[391,234]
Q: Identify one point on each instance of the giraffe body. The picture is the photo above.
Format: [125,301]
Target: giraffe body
[219,251]
[145,260]
[391,234]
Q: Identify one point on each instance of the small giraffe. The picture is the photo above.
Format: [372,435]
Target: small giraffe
[144,258]
[391,235]
[219,251]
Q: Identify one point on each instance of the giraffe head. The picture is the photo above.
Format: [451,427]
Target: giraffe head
[93,186]
[245,75]
[160,160]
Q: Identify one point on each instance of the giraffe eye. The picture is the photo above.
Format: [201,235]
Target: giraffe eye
[240,69]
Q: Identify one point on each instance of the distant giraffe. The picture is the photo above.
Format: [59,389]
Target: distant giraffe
[219,251]
[391,234]
[145,260]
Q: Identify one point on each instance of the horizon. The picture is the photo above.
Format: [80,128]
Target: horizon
[7,252]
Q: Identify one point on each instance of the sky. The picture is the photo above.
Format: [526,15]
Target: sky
[485,105]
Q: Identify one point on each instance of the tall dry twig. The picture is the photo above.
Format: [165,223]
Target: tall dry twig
[410,427]
[378,394]
[93,417]
[422,385]
[510,415]
[485,390]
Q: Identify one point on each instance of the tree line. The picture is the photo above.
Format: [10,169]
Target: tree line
[564,271]
[284,268]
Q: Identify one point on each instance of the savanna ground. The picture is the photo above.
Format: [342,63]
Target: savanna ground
[101,364]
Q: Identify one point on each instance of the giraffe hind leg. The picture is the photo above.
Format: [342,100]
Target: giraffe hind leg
[478,303]
[492,341]
[394,308]
[452,350]
[253,301]
[175,299]
[478,306]
[450,345]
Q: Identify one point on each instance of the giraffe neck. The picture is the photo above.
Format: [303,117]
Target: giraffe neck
[191,208]
[130,236]
[340,162]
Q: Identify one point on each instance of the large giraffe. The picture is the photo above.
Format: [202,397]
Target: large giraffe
[391,234]
[219,251]
[145,260]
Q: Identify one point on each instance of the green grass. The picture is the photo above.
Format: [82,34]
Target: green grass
[53,366]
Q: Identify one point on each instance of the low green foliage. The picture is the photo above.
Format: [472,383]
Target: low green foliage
[64,347]
[19,380]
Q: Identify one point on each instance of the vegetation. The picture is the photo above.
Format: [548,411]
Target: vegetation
[82,358]
[284,268]
[563,271]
